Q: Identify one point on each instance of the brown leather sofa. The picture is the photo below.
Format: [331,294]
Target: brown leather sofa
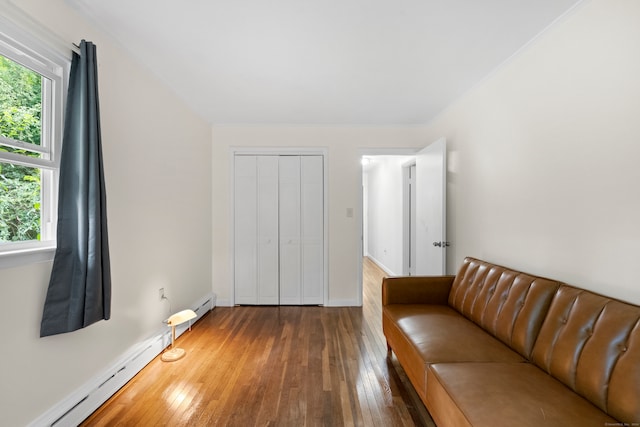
[494,347]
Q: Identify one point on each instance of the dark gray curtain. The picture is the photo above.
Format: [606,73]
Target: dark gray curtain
[79,291]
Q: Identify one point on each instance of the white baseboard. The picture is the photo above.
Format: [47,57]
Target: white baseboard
[330,303]
[72,410]
[224,303]
[382,266]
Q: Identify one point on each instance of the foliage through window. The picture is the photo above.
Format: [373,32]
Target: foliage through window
[20,120]
[31,90]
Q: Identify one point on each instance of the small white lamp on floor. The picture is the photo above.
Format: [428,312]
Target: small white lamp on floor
[173,321]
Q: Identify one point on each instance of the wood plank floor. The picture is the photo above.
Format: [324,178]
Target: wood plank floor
[275,366]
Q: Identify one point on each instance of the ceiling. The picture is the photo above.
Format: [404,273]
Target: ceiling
[321,62]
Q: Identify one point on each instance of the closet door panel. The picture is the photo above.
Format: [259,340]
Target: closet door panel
[279,229]
[312,218]
[267,264]
[245,230]
[289,203]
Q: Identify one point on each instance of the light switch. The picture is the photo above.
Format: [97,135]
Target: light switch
[349,212]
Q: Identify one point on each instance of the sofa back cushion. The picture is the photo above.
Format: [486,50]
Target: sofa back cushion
[509,304]
[592,344]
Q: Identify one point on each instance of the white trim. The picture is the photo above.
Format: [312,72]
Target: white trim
[257,151]
[275,151]
[76,407]
[406,209]
[32,162]
[18,18]
[31,255]
[14,143]
[400,151]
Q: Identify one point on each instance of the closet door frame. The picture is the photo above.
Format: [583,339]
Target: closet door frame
[279,151]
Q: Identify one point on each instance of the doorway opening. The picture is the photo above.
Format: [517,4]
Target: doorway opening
[386,211]
[403,215]
[382,175]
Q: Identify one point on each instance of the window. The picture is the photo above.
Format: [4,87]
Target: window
[32,87]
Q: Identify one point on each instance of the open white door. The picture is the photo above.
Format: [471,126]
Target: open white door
[431,206]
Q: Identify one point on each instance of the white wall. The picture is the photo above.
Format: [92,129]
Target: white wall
[542,162]
[384,212]
[157,159]
[344,145]
[542,177]
[543,171]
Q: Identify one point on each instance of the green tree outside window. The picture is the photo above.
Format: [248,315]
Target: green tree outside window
[20,119]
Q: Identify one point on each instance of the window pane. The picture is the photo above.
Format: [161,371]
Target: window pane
[20,102]
[19,203]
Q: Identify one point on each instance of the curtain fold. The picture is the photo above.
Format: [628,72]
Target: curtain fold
[79,292]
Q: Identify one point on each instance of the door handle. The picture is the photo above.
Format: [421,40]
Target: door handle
[441,244]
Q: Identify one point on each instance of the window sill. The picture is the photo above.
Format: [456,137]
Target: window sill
[20,257]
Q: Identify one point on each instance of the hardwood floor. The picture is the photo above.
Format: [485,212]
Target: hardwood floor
[275,366]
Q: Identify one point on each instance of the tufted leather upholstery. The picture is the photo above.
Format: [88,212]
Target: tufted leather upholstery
[592,344]
[508,304]
[494,346]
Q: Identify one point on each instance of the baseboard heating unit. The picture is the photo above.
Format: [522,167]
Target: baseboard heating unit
[79,405]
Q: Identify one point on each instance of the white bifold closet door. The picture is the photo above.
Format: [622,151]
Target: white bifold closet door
[256,230]
[279,229]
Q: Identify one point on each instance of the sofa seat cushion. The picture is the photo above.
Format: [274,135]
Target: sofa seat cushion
[421,334]
[505,394]
[441,334]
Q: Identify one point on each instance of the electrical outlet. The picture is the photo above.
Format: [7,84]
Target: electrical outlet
[161,293]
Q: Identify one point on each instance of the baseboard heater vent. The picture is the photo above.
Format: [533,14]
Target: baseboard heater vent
[79,405]
[57,422]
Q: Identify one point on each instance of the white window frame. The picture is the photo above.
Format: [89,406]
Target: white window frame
[20,46]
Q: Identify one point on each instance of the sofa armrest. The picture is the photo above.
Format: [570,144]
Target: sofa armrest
[416,290]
